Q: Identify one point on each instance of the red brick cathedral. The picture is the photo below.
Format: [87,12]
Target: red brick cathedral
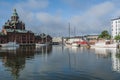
[14,30]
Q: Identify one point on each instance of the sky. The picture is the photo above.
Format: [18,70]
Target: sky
[86,17]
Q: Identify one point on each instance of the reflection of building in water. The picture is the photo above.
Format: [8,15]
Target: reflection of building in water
[44,49]
[103,52]
[115,56]
[116,60]
[15,62]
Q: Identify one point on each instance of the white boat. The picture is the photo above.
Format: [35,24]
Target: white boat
[104,45]
[9,44]
[72,44]
[40,44]
[2,49]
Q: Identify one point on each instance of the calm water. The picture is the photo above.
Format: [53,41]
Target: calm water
[59,63]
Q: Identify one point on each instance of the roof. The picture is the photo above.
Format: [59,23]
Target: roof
[116,18]
[18,30]
[42,35]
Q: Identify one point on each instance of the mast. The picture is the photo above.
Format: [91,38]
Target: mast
[69,29]
[74,31]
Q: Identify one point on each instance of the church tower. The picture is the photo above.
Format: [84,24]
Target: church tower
[14,23]
[14,16]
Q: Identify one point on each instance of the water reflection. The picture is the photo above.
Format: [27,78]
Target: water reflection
[15,60]
[61,63]
[112,53]
[104,52]
[116,60]
[75,56]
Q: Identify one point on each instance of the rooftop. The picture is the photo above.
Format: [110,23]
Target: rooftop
[116,18]
[18,30]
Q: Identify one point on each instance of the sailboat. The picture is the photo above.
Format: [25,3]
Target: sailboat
[71,43]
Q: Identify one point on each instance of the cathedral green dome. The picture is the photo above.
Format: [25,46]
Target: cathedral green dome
[15,13]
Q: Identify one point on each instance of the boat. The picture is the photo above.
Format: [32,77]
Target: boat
[9,44]
[104,45]
[40,44]
[72,44]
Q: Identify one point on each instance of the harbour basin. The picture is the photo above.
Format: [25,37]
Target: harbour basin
[60,63]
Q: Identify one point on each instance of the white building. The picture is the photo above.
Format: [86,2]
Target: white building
[57,39]
[72,39]
[115,23]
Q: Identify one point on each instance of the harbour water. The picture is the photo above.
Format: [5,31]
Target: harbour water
[59,63]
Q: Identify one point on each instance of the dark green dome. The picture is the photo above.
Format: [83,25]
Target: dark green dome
[15,13]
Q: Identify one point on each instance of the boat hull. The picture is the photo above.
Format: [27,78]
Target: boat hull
[40,44]
[9,44]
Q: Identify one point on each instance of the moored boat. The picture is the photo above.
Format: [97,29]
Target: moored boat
[9,44]
[74,44]
[41,44]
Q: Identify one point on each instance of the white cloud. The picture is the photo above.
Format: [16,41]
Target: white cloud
[94,19]
[33,4]
[26,12]
[47,18]
[51,23]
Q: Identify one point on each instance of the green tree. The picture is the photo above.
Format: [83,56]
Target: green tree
[105,35]
[117,37]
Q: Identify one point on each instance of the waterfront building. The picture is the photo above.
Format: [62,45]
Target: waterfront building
[43,38]
[73,39]
[57,40]
[92,39]
[14,30]
[115,23]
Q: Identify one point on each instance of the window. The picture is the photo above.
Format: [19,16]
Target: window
[119,21]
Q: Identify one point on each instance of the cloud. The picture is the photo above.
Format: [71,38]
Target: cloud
[38,18]
[47,18]
[33,4]
[28,10]
[94,19]
[51,23]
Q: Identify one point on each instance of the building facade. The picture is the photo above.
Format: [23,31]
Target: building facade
[92,39]
[43,38]
[14,30]
[115,23]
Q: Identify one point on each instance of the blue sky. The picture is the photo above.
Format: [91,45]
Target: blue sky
[53,16]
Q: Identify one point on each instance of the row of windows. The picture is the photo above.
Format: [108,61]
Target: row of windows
[117,21]
[116,29]
[117,32]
